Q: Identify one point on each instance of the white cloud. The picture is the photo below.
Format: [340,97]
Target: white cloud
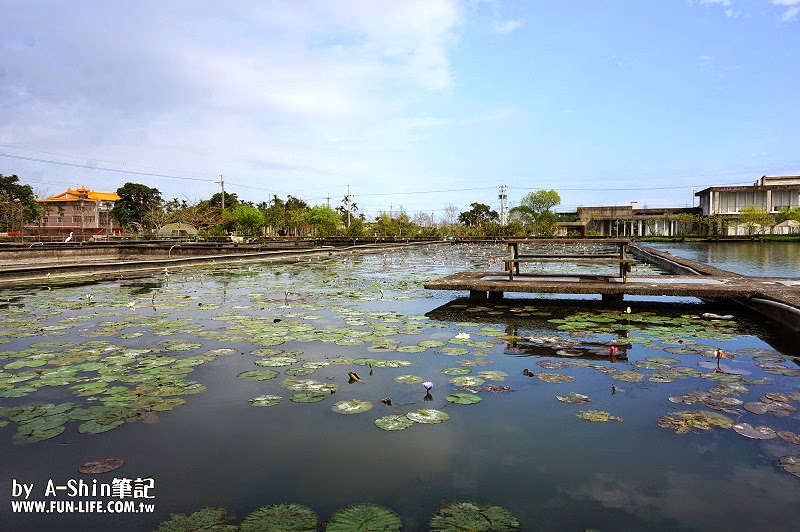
[723,3]
[792,11]
[506,26]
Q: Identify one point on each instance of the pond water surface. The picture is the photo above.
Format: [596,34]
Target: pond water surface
[160,372]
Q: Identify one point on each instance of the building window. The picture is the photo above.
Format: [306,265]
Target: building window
[784,199]
[76,219]
[733,202]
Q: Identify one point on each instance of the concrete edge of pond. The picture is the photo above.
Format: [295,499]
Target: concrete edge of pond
[11,275]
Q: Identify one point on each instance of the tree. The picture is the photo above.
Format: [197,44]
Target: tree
[534,212]
[134,203]
[231,200]
[324,219]
[18,204]
[752,217]
[246,219]
[478,215]
[788,214]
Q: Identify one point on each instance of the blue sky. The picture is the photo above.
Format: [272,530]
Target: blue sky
[419,104]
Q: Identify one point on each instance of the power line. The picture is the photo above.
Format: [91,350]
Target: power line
[76,165]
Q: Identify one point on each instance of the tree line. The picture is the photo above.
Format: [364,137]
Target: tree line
[142,209]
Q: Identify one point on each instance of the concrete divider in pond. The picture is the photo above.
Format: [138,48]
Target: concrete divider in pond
[11,273]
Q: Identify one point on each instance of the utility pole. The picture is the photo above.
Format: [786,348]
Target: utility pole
[328,197]
[502,197]
[222,184]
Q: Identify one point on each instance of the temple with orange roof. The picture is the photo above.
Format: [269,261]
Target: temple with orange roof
[79,210]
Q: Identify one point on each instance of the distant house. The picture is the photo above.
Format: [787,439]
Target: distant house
[771,193]
[631,221]
[80,210]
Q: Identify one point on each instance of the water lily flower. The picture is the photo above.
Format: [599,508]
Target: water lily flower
[613,350]
[427,385]
[462,336]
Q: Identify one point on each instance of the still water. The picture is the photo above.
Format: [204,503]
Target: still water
[160,372]
[760,259]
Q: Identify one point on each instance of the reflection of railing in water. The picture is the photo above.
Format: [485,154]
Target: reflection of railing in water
[561,347]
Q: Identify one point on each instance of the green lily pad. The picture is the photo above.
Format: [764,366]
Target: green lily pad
[258,374]
[206,519]
[467,381]
[94,427]
[265,400]
[364,518]
[410,349]
[307,397]
[428,416]
[393,422]
[298,372]
[597,416]
[454,351]
[408,379]
[281,518]
[463,398]
[493,375]
[353,406]
[456,371]
[471,516]
[275,362]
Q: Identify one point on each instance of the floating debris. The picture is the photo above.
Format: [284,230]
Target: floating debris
[105,465]
[597,416]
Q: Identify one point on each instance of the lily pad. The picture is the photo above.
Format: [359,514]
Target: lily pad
[493,375]
[364,518]
[467,381]
[689,420]
[275,362]
[574,398]
[456,371]
[101,466]
[757,433]
[428,416]
[206,519]
[393,422]
[281,518]
[266,400]
[307,397]
[463,398]
[471,516]
[789,436]
[554,378]
[353,406]
[791,464]
[408,379]
[597,416]
[258,374]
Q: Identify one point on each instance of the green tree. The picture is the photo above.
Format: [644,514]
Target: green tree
[231,200]
[788,214]
[324,219]
[245,218]
[535,214]
[752,217]
[136,200]
[18,204]
[477,215]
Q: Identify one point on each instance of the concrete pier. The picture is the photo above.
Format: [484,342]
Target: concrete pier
[776,298]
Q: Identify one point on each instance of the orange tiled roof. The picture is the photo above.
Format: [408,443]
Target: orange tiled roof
[83,193]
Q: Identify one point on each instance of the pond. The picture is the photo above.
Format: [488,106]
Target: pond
[760,259]
[247,386]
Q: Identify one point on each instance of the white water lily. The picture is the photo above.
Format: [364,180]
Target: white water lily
[462,336]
